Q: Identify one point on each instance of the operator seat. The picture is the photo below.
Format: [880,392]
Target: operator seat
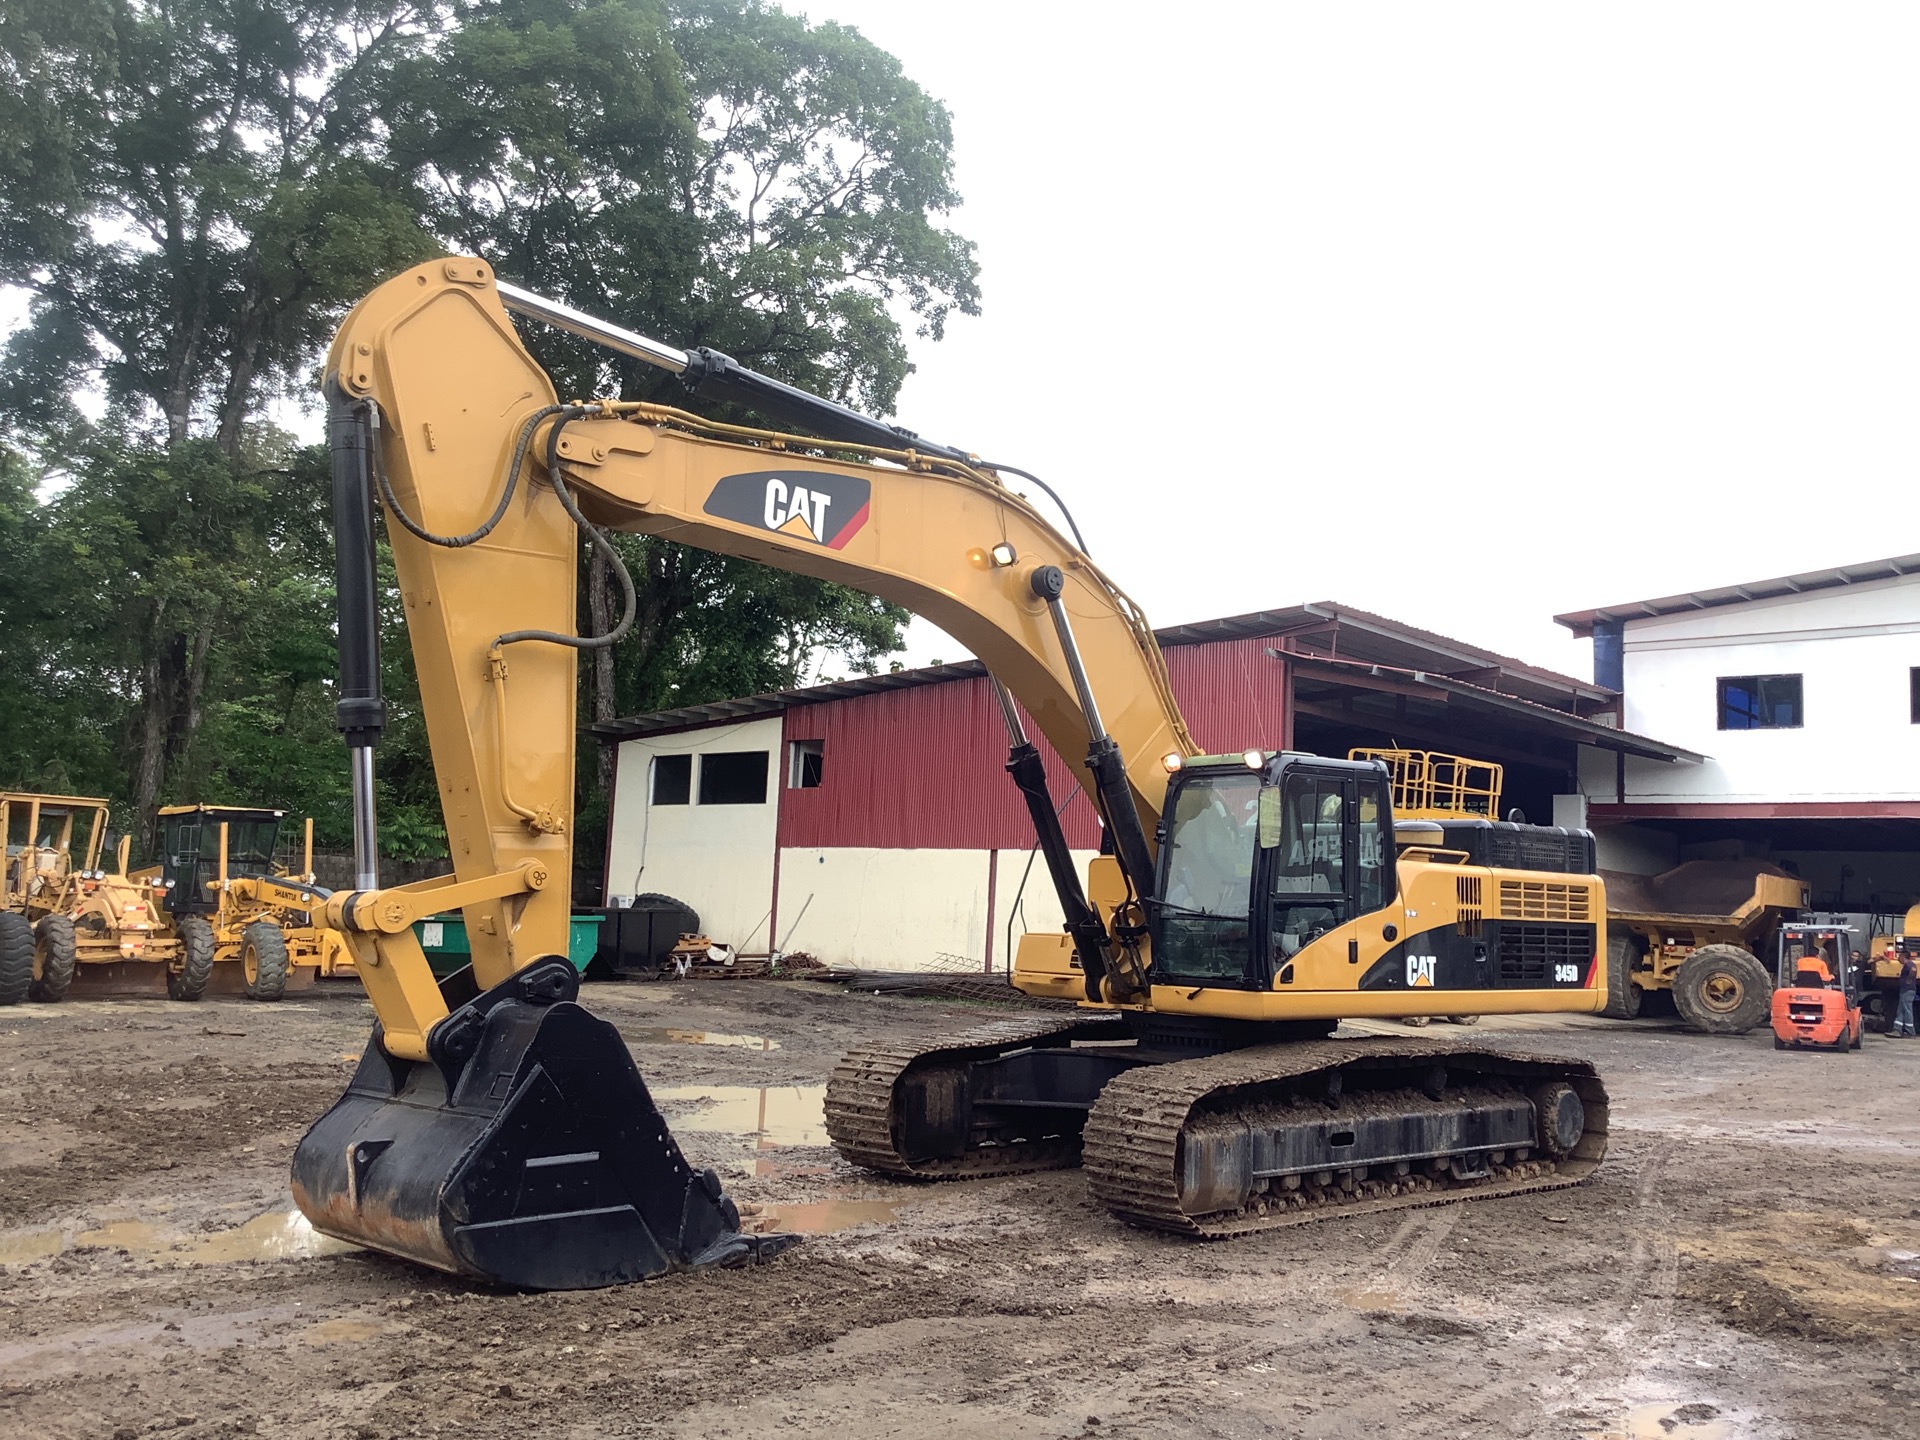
[1812,973]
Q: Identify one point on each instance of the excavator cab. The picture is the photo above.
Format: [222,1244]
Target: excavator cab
[1263,855]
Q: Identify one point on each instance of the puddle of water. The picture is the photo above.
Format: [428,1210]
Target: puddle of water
[824,1217]
[277,1235]
[346,1331]
[24,1247]
[1374,1300]
[772,1115]
[1664,1420]
[669,1036]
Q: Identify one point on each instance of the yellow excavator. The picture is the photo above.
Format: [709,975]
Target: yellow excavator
[1247,902]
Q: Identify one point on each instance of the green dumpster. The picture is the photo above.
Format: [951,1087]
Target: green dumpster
[444,938]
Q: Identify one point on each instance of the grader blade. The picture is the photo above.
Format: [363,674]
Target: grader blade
[527,1153]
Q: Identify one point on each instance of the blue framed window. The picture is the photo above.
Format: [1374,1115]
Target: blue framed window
[1760,702]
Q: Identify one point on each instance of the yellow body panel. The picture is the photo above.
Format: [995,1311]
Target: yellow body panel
[1324,975]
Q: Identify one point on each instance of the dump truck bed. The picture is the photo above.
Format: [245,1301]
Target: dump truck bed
[1720,892]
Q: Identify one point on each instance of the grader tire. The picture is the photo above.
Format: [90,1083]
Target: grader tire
[263,953]
[196,938]
[1463,1019]
[54,954]
[1623,996]
[16,957]
[1722,990]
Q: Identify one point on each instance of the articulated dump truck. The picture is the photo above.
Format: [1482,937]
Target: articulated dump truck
[1251,900]
[1696,933]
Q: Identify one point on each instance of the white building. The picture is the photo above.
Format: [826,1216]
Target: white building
[1803,694]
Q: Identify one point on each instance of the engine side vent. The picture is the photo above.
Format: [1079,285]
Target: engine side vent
[1543,900]
[1469,904]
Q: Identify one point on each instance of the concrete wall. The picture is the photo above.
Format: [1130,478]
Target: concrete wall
[881,909]
[1853,647]
[717,858]
[869,907]
[886,909]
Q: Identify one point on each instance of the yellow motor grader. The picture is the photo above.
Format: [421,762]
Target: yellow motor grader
[227,893]
[61,915]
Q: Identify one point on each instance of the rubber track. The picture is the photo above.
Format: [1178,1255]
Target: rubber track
[859,1103]
[1132,1137]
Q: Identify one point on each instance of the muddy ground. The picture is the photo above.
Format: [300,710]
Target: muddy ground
[1747,1263]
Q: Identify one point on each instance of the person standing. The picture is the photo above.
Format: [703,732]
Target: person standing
[1909,980]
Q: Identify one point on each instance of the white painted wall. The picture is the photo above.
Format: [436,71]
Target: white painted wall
[881,909]
[1853,646]
[717,858]
[885,909]
[1034,908]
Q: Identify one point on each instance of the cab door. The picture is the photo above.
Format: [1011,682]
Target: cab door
[1327,859]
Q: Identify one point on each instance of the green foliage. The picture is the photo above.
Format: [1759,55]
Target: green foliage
[192,192]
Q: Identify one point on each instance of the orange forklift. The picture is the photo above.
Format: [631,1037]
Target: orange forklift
[1816,996]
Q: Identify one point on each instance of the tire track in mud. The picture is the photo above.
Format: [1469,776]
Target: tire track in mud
[1387,1281]
[1638,1314]
[1610,1336]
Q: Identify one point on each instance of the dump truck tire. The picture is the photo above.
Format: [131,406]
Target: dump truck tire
[196,937]
[1722,990]
[263,953]
[16,958]
[53,952]
[1623,996]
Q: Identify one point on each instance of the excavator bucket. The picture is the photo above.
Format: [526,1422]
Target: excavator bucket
[526,1152]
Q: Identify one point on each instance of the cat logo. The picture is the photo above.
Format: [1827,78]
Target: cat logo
[822,508]
[1420,970]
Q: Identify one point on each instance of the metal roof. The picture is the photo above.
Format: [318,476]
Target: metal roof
[1503,716]
[1581,622]
[1323,629]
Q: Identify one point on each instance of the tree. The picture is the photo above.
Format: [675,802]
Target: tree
[188,198]
[719,173]
[192,191]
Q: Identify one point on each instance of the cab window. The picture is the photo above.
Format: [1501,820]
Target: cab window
[1373,856]
[1310,868]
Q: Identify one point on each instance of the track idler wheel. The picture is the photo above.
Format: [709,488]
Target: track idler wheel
[527,1152]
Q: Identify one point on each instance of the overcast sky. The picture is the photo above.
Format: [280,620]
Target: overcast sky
[1467,314]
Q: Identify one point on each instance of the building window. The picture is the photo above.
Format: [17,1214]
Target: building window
[1760,702]
[734,777]
[805,759]
[1913,693]
[672,779]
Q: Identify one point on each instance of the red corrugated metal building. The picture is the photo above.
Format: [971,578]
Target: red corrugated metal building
[870,822]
